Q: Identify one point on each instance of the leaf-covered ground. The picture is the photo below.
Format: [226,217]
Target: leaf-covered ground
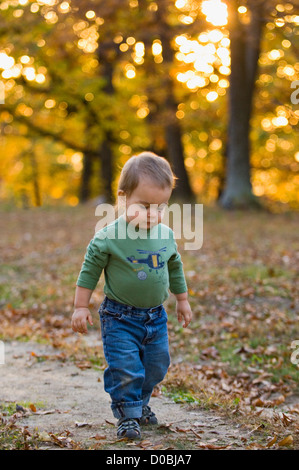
[236,360]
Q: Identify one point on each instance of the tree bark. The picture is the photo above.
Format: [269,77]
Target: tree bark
[85,177]
[106,168]
[245,50]
[172,128]
[107,53]
[158,143]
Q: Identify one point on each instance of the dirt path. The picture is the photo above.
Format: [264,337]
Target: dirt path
[77,396]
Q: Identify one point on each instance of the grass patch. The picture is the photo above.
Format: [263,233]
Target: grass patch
[180,396]
[13,436]
[12,407]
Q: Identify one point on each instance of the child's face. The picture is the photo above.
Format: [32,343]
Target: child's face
[148,202]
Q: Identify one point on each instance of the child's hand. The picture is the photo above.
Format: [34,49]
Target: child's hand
[79,320]
[184,312]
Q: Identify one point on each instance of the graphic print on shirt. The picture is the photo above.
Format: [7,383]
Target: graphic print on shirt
[153,260]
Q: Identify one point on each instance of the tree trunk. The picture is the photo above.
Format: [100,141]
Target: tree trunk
[106,168]
[245,49]
[222,173]
[158,143]
[107,53]
[85,177]
[175,153]
[172,128]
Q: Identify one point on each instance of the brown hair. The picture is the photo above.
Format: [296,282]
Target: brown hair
[149,165]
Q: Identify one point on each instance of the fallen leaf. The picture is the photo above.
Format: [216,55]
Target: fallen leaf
[287,441]
[285,419]
[205,445]
[145,443]
[83,365]
[258,402]
[181,429]
[255,445]
[273,440]
[98,437]
[47,412]
[210,352]
[166,427]
[261,426]
[81,425]
[44,436]
[196,433]
[279,400]
[225,386]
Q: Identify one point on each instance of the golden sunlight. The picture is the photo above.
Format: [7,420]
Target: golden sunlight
[215,12]
[209,54]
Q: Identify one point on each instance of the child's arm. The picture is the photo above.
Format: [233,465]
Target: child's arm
[81,313]
[178,286]
[96,258]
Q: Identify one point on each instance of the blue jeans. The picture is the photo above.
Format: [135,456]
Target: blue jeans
[135,342]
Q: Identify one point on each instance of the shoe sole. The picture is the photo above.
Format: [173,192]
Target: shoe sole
[148,422]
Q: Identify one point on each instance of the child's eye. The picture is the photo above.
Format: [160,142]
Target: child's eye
[159,208]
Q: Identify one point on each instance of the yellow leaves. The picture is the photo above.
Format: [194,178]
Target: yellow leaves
[191,292]
[287,441]
[269,403]
[272,441]
[64,441]
[98,437]
[205,445]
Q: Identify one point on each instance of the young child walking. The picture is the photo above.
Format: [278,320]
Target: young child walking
[138,273]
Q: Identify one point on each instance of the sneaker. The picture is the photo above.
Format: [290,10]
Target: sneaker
[128,427]
[148,417]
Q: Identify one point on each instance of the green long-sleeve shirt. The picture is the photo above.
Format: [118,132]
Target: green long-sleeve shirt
[137,271]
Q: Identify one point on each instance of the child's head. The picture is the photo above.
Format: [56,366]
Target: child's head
[146,180]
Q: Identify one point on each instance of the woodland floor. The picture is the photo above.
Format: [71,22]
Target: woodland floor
[233,381]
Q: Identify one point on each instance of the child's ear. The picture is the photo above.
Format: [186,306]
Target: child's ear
[121,199]
[121,193]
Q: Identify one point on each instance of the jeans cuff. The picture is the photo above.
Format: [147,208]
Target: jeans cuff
[146,399]
[132,409]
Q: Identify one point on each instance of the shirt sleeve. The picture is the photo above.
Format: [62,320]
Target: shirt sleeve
[95,260]
[177,281]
